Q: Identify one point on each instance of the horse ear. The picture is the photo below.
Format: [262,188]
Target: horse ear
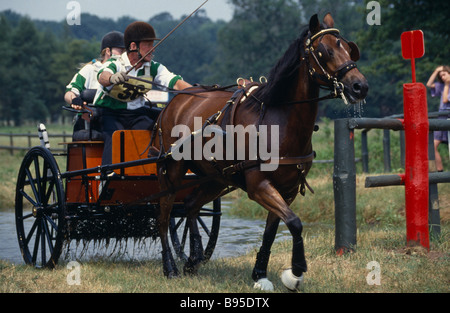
[328,20]
[354,51]
[314,25]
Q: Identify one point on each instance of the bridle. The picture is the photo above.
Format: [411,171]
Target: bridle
[331,81]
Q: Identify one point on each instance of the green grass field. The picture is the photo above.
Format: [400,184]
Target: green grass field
[381,238]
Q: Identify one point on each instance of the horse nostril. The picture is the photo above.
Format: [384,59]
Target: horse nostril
[357,88]
[360,89]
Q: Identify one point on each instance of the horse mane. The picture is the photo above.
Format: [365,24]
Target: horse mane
[282,73]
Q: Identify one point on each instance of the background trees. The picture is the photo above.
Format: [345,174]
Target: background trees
[40,57]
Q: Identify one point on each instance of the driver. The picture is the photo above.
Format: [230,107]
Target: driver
[123,107]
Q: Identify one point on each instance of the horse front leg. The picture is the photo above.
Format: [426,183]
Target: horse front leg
[259,273]
[264,193]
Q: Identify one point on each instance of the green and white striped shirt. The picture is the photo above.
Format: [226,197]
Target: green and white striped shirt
[86,78]
[149,70]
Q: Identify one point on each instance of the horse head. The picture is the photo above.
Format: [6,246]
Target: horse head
[332,60]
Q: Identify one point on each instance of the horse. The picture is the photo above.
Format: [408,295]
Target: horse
[319,58]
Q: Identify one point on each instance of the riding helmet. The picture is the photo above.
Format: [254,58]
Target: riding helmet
[112,39]
[137,32]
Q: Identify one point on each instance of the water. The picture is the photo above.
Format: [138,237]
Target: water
[236,237]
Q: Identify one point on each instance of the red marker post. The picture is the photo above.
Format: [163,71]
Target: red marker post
[416,144]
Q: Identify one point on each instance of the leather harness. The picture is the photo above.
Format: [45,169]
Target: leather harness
[247,90]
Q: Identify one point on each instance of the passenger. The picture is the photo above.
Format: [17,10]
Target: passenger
[123,107]
[440,88]
[111,45]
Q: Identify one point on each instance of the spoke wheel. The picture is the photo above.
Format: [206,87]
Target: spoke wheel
[209,224]
[40,209]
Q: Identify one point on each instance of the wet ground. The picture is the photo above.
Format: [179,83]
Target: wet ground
[236,237]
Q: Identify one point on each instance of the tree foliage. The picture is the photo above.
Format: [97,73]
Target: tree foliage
[39,58]
[382,61]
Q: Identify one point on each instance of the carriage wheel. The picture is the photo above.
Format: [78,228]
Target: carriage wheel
[209,223]
[40,208]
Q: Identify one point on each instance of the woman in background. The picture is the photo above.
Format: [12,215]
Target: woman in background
[439,83]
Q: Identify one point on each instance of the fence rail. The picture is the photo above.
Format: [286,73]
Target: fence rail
[30,138]
[344,176]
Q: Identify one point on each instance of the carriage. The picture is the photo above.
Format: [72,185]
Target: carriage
[86,202]
[94,202]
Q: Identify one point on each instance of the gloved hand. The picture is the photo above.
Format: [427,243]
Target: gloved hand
[118,78]
[77,103]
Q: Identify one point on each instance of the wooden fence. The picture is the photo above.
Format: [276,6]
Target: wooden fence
[32,140]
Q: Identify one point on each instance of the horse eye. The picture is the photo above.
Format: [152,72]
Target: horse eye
[330,52]
[338,43]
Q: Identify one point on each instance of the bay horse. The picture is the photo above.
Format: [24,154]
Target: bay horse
[319,58]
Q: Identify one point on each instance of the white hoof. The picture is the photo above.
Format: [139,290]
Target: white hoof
[290,281]
[263,284]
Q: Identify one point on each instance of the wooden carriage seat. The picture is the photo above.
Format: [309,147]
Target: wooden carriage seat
[131,145]
[82,155]
[128,145]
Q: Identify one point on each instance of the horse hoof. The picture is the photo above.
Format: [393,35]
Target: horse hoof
[171,275]
[290,281]
[191,267]
[263,284]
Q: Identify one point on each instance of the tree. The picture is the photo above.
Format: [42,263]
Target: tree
[383,64]
[191,49]
[255,38]
[24,74]
[5,42]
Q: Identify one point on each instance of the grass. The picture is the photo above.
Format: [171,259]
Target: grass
[401,270]
[381,238]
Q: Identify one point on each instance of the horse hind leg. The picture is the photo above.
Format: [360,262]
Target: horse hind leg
[166,175]
[203,194]
[169,267]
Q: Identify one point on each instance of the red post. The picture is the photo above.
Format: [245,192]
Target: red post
[416,164]
[412,47]
[416,144]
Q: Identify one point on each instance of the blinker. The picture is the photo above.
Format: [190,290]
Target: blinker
[354,51]
[322,51]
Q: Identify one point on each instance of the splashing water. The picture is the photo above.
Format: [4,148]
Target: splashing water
[358,109]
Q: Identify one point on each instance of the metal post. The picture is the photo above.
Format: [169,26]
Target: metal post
[402,149]
[434,219]
[364,151]
[387,150]
[344,187]
[11,143]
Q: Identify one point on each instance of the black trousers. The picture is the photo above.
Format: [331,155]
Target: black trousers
[113,120]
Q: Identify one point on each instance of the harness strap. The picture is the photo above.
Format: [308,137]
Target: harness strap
[240,96]
[299,161]
[344,68]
